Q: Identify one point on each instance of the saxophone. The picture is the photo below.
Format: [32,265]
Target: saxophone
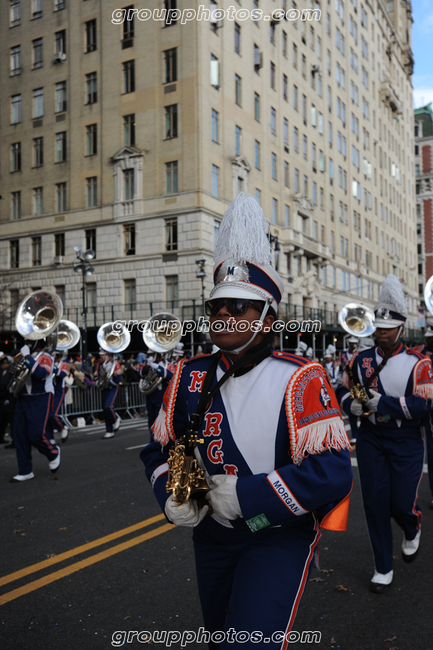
[185,478]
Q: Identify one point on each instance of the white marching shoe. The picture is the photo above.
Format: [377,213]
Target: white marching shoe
[19,478]
[65,434]
[410,548]
[108,434]
[117,424]
[55,464]
[380,581]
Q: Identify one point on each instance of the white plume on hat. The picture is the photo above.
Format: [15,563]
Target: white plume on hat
[391,295]
[242,233]
[330,351]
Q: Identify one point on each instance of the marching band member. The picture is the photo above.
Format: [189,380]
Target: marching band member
[427,351]
[390,448]
[347,355]
[164,370]
[275,450]
[60,373]
[331,366]
[109,392]
[31,415]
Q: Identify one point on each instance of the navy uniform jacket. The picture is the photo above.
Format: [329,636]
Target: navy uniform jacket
[40,378]
[406,384]
[277,428]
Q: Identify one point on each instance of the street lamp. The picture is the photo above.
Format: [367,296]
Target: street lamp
[274,240]
[201,263]
[82,265]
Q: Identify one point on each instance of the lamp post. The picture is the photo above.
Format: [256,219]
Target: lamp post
[274,240]
[201,263]
[82,265]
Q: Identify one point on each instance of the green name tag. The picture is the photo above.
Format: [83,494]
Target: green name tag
[257,523]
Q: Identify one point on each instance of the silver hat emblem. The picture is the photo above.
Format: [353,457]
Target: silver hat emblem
[383,312]
[230,271]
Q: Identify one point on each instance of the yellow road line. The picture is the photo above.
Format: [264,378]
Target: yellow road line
[52,577]
[76,551]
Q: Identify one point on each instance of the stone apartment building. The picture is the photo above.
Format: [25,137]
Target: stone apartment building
[131,137]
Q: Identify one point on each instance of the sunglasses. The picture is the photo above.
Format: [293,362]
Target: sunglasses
[235,306]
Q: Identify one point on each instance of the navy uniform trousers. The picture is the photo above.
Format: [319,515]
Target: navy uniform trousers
[390,465]
[234,566]
[30,425]
[110,416]
[54,421]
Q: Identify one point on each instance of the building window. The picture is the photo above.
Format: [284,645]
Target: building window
[272,75]
[59,244]
[171,235]
[274,166]
[90,238]
[15,109]
[128,184]
[61,104]
[16,206]
[129,76]
[287,216]
[15,12]
[129,238]
[258,196]
[38,152]
[91,88]
[91,295]
[170,12]
[61,146]
[274,210]
[170,65]
[60,42]
[91,139]
[171,177]
[214,125]
[286,174]
[38,201]
[129,130]
[61,197]
[38,102]
[285,86]
[16,157]
[92,191]
[38,53]
[60,291]
[90,35]
[15,60]
[128,27]
[130,294]
[36,251]
[171,121]
[172,290]
[237,38]
[273,121]
[238,90]
[295,98]
[238,138]
[215,175]
[59,4]
[257,107]
[14,247]
[257,154]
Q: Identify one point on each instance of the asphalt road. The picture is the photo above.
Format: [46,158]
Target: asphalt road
[86,553]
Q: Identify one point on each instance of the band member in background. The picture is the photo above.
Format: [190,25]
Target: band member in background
[8,402]
[331,366]
[109,392]
[163,370]
[60,373]
[390,447]
[346,355]
[272,483]
[31,415]
[427,351]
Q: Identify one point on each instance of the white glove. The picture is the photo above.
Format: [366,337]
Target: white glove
[373,402]
[356,408]
[187,514]
[25,350]
[223,497]
[153,365]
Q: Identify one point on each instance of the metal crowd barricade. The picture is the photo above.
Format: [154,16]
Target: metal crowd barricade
[129,400]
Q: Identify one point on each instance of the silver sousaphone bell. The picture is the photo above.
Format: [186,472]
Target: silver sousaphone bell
[162,333]
[68,335]
[357,319]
